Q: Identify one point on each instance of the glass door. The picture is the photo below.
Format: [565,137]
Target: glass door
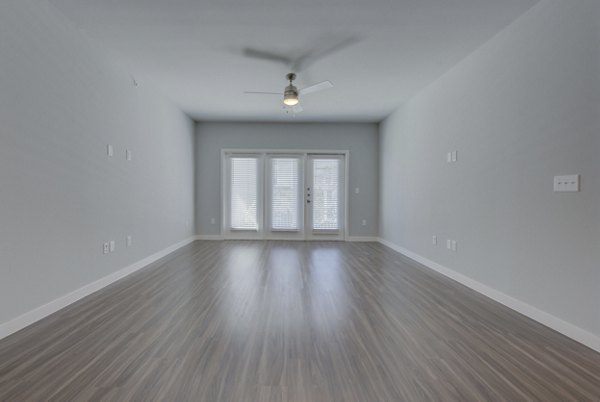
[284,207]
[273,195]
[243,196]
[324,197]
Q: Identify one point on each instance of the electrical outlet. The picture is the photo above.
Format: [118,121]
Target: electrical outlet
[566,184]
[129,241]
[105,248]
[434,240]
[112,245]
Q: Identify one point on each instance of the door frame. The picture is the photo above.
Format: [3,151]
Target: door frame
[262,234]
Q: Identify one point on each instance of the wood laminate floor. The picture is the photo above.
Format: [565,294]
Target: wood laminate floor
[292,321]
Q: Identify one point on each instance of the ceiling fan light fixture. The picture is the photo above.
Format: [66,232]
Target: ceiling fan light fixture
[290,96]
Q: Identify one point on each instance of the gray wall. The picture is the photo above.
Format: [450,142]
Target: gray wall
[61,197]
[523,108]
[360,139]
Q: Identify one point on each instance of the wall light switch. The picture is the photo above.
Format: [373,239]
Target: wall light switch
[109,150]
[453,245]
[128,155]
[434,240]
[568,184]
[364,222]
[454,156]
[449,157]
[356,190]
[129,241]
[112,246]
[449,244]
[213,221]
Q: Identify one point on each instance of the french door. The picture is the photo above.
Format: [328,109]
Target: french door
[325,196]
[277,195]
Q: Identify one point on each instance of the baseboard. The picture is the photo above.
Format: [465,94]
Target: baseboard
[369,239]
[45,310]
[570,330]
[349,238]
[209,237]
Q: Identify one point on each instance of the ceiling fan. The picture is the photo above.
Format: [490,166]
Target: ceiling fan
[291,94]
[299,62]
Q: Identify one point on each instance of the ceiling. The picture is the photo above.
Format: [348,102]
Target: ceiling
[191,50]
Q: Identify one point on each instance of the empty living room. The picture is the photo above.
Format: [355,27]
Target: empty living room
[300,201]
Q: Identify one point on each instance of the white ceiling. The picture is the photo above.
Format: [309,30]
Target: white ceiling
[191,50]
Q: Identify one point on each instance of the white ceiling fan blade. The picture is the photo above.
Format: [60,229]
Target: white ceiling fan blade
[321,86]
[262,93]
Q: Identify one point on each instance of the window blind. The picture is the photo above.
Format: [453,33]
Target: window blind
[244,183]
[325,194]
[284,194]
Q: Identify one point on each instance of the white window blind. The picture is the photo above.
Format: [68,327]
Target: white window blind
[284,194]
[325,194]
[244,183]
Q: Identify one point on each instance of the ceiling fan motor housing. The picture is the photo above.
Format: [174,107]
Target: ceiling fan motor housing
[290,95]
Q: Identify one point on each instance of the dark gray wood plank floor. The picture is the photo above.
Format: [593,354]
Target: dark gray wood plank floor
[292,321]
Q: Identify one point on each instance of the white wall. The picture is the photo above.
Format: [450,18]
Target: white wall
[360,139]
[61,197]
[523,108]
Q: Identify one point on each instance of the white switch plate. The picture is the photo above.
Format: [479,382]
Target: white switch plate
[357,190]
[129,241]
[449,157]
[128,155]
[454,156]
[449,244]
[213,221]
[105,248]
[109,150]
[567,183]
[112,246]
[434,240]
[364,222]
[453,245]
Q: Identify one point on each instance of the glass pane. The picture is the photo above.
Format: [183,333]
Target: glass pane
[244,193]
[325,194]
[284,194]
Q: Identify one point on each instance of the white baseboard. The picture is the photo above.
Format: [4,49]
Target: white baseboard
[209,237]
[369,239]
[38,313]
[349,238]
[572,331]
